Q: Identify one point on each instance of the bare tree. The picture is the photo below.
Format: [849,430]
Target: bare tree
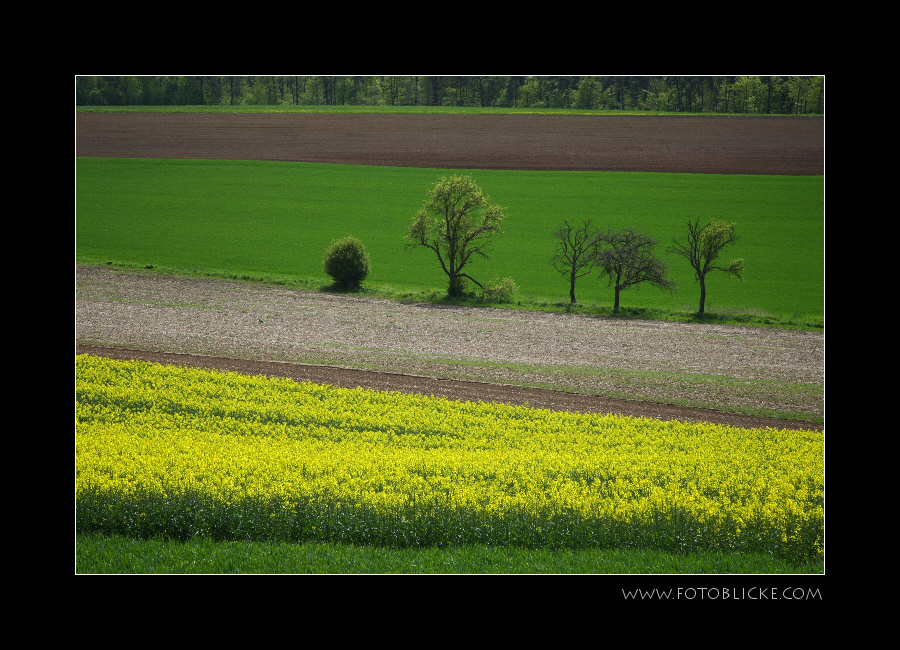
[575,252]
[627,258]
[702,249]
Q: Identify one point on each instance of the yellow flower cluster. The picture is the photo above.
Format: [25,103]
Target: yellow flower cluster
[179,452]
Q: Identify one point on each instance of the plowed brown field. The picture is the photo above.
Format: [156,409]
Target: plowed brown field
[721,145]
[688,144]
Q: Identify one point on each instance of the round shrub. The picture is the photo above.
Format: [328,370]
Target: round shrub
[499,290]
[347,262]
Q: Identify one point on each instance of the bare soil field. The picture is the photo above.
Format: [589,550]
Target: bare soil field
[558,361]
[685,144]
[555,361]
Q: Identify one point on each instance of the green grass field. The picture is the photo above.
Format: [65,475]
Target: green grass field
[397,110]
[124,555]
[274,220]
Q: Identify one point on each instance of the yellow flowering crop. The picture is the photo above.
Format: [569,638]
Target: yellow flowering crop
[179,452]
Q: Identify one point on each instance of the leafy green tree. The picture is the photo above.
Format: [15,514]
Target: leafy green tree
[749,94]
[390,89]
[347,262]
[535,92]
[410,91]
[627,258]
[657,95]
[575,252]
[456,222]
[588,94]
[489,90]
[702,249]
[434,88]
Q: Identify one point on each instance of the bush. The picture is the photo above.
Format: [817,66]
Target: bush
[499,290]
[347,262]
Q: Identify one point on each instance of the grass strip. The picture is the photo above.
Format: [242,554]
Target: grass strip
[99,554]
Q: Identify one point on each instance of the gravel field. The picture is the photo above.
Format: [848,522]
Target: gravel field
[578,357]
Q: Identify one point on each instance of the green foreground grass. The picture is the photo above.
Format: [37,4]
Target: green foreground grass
[272,222]
[119,555]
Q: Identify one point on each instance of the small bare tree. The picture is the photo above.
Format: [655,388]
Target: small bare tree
[627,258]
[575,252]
[702,249]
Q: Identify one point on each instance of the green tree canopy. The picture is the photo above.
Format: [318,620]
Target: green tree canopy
[702,249]
[456,222]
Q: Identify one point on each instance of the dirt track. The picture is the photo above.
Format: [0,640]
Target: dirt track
[670,144]
[450,389]
[686,144]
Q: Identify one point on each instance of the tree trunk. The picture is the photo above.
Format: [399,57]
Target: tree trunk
[456,286]
[572,290]
[702,295]
[616,305]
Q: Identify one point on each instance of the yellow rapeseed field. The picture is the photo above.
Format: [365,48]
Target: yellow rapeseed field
[177,452]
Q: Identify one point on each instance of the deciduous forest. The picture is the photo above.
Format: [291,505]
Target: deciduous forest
[782,95]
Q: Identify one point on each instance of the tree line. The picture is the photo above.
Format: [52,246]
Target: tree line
[785,95]
[458,221]
[627,258]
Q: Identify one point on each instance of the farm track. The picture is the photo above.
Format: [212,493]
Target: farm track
[447,388]
[424,349]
